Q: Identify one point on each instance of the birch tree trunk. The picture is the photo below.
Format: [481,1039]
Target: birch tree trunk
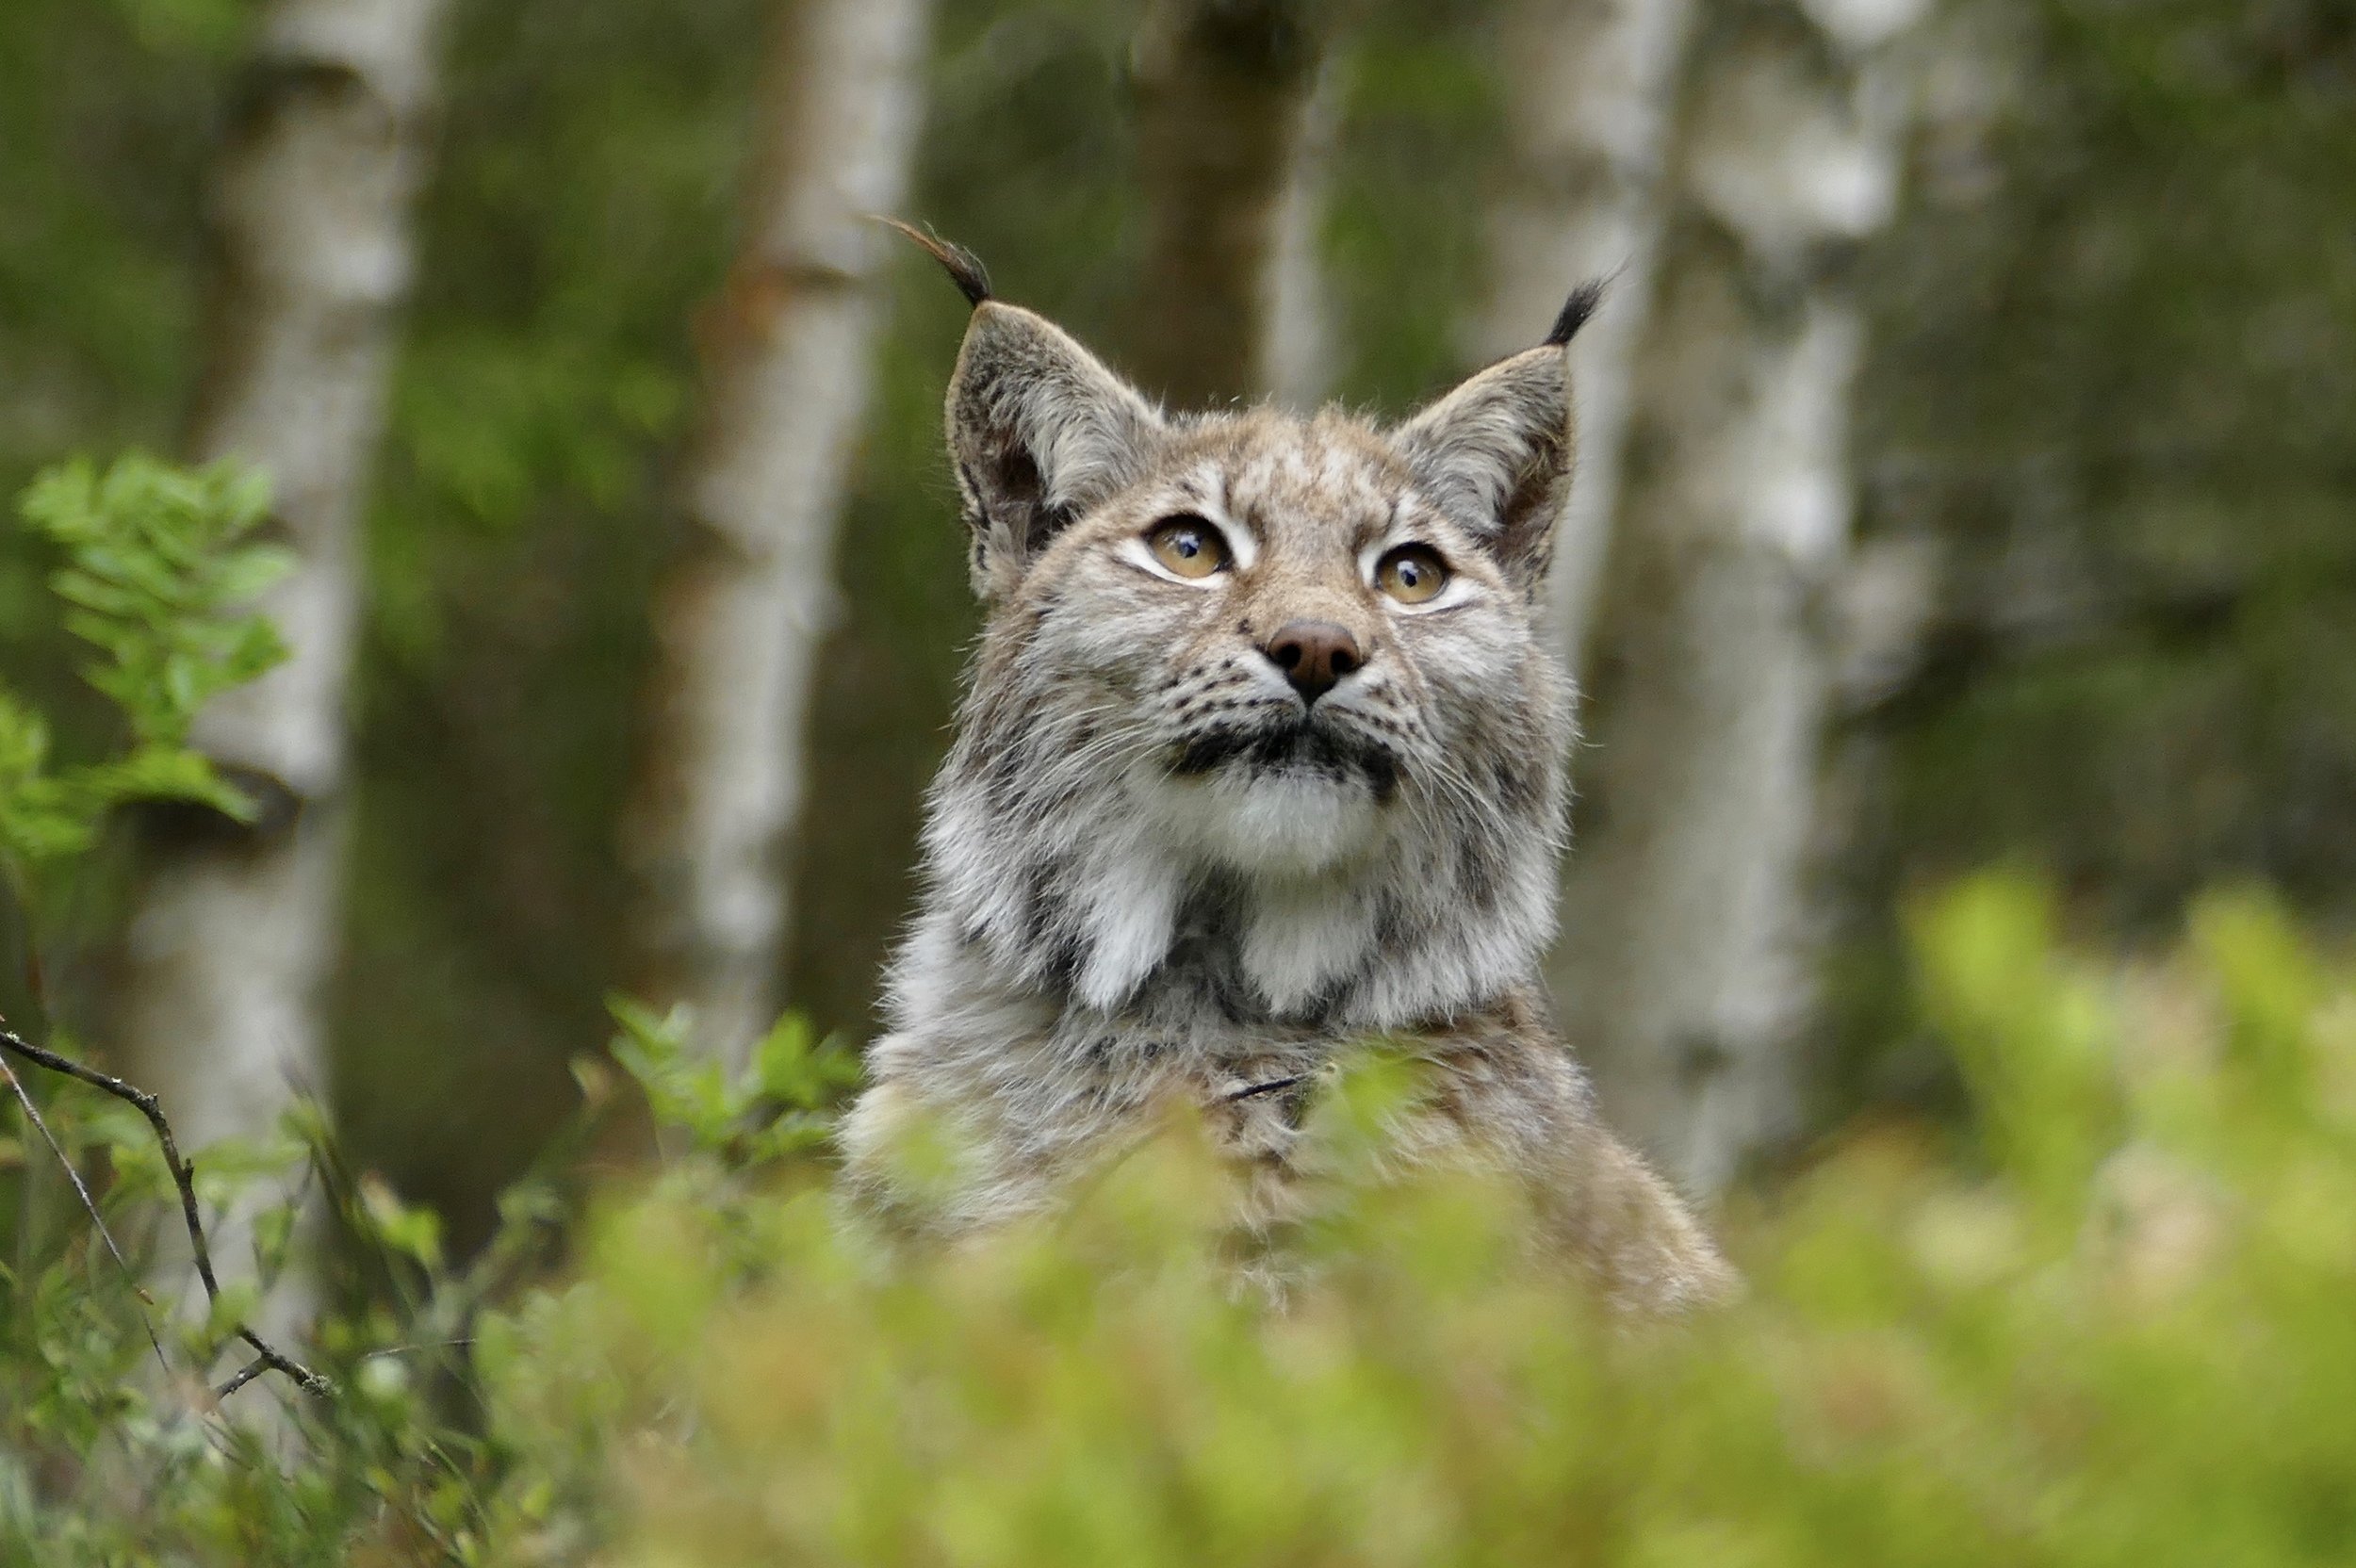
[740,616]
[1297,362]
[1588,84]
[234,926]
[1225,91]
[1686,963]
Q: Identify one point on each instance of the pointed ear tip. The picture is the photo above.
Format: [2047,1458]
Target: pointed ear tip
[997,320]
[996,324]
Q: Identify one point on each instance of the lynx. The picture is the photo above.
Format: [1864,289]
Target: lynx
[1262,756]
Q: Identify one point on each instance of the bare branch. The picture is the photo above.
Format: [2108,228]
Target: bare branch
[246,1373]
[267,1356]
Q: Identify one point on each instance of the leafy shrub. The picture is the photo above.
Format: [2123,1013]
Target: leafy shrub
[2112,1325]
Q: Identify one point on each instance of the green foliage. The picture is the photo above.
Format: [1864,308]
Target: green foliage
[2107,1325]
[2112,1328]
[2035,1038]
[39,816]
[159,576]
[162,583]
[775,1106]
[204,29]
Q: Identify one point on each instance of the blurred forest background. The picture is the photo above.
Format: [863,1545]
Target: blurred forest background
[2053,300]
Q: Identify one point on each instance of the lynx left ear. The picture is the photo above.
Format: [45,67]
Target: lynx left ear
[1496,453]
[1040,431]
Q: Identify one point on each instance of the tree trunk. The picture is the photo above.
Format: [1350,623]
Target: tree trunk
[233,929]
[1297,363]
[1224,114]
[740,613]
[1588,84]
[1686,972]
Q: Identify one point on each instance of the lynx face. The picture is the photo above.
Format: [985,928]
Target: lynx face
[1292,640]
[1261,713]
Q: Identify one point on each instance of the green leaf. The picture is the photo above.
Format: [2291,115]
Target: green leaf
[792,1069]
[413,1232]
[162,582]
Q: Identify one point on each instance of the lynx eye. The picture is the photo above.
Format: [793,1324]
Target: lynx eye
[1411,574]
[1190,547]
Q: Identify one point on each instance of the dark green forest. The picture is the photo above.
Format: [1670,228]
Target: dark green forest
[2079,879]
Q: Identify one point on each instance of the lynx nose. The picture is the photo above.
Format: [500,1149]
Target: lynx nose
[1314,655]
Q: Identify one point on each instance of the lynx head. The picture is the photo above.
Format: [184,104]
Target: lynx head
[1252,683]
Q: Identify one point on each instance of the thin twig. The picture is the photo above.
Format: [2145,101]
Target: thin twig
[246,1373]
[183,1177]
[418,1349]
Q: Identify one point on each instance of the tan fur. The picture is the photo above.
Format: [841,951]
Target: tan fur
[1156,868]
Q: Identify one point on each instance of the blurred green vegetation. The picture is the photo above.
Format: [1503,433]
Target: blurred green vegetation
[2103,1322]
[2106,1324]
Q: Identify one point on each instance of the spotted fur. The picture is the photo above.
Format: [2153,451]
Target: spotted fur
[1152,870]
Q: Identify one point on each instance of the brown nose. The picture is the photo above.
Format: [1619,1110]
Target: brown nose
[1314,655]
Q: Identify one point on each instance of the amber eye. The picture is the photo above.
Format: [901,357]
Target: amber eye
[1189,546]
[1411,574]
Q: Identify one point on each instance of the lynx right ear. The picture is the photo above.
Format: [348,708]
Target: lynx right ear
[1040,431]
[1497,451]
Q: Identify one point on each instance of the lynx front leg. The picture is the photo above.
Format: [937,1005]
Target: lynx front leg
[1603,1211]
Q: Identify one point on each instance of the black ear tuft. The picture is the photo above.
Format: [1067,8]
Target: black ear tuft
[1576,310]
[964,268]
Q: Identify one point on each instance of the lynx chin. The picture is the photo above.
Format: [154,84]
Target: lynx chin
[1262,756]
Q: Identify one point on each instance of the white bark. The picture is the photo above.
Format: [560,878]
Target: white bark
[740,616]
[1685,974]
[232,932]
[1297,360]
[1588,84]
